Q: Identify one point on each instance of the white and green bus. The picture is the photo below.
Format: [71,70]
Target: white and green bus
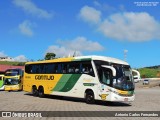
[89,77]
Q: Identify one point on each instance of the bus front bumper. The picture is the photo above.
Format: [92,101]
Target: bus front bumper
[11,87]
[118,98]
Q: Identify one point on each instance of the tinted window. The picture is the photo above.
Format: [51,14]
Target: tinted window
[49,68]
[77,67]
[98,64]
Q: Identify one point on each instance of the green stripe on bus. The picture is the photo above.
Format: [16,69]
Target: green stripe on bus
[61,83]
[130,92]
[71,82]
[84,59]
[88,84]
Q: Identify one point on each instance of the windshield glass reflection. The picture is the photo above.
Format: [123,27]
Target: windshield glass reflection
[123,79]
[11,81]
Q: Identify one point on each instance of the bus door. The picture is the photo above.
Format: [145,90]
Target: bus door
[105,74]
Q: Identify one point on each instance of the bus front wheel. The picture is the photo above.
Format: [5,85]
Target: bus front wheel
[89,97]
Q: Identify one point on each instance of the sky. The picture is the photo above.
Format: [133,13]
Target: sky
[124,29]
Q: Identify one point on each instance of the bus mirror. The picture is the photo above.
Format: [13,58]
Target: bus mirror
[111,68]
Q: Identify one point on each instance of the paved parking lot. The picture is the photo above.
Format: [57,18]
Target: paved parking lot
[147,99]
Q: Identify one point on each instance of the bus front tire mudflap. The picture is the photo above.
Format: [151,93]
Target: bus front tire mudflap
[41,92]
[89,97]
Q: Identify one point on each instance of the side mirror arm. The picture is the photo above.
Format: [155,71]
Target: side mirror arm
[111,68]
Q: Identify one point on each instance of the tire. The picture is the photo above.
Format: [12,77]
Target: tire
[89,98]
[34,91]
[41,92]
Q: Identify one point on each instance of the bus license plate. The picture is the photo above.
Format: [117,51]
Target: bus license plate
[125,99]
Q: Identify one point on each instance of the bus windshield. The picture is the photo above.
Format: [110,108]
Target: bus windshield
[123,79]
[11,81]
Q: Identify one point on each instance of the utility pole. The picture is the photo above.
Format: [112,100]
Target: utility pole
[125,55]
[74,54]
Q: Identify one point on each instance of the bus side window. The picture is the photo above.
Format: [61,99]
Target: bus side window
[48,68]
[64,68]
[77,67]
[57,68]
[28,69]
[33,69]
[91,71]
[36,68]
[106,76]
[87,68]
[76,70]
[42,68]
[71,68]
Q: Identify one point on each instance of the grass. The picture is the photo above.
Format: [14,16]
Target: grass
[148,72]
[12,63]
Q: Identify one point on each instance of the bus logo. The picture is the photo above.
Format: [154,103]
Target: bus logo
[44,77]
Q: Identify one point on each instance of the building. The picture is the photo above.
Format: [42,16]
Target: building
[6,59]
[3,68]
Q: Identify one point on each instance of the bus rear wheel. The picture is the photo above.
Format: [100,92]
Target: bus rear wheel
[89,97]
[41,92]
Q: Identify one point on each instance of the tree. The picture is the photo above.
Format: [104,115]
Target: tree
[50,56]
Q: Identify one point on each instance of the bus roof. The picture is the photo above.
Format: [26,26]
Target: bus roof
[82,58]
[13,69]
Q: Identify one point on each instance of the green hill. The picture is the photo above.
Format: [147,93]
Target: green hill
[12,63]
[150,72]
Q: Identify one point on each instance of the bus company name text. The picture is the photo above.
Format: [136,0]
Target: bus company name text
[44,77]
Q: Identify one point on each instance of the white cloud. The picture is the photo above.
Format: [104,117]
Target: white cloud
[25,28]
[2,54]
[131,26]
[124,26]
[20,58]
[79,44]
[89,14]
[61,51]
[96,3]
[29,7]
